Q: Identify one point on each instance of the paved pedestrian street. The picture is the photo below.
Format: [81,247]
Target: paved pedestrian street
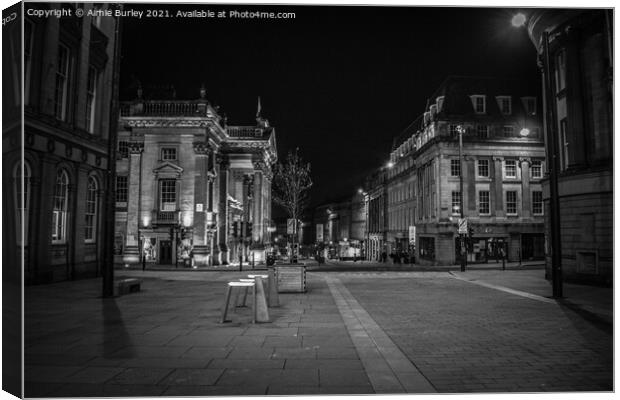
[351,333]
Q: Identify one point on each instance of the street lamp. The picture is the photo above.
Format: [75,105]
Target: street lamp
[460,129]
[551,141]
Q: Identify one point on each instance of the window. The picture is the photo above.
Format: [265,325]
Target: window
[479,103]
[62,82]
[28,43]
[453,130]
[22,200]
[456,202]
[121,189]
[536,170]
[167,195]
[59,217]
[510,170]
[168,153]
[91,98]
[505,104]
[91,210]
[484,202]
[483,168]
[529,103]
[560,71]
[482,131]
[537,202]
[455,167]
[508,130]
[123,149]
[440,103]
[563,144]
[511,202]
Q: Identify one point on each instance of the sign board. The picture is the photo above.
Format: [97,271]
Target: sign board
[463,226]
[411,234]
[319,232]
[291,279]
[290,226]
[198,207]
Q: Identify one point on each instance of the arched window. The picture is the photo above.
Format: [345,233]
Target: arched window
[61,196]
[90,225]
[22,200]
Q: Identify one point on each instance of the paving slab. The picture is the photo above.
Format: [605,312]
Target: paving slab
[192,377]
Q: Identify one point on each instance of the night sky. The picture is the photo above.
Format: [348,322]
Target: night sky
[338,82]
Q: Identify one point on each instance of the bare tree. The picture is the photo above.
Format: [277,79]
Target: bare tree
[291,184]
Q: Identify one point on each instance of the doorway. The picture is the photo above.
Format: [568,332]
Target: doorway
[165,252]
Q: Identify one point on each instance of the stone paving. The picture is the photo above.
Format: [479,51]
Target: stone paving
[432,331]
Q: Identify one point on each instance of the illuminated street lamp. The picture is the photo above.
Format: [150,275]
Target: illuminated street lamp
[460,129]
[518,20]
[390,164]
[524,132]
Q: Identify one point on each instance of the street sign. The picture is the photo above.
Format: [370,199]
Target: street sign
[463,226]
[411,234]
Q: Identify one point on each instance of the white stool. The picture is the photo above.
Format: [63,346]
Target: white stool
[229,289]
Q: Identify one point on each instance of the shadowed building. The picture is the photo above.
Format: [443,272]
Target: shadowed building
[69,78]
[580,96]
[190,188]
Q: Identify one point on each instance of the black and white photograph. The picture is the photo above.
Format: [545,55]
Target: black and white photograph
[244,199]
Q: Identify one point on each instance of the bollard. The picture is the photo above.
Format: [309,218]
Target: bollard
[274,300]
[261,311]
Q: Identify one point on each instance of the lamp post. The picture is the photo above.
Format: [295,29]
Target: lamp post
[551,140]
[460,131]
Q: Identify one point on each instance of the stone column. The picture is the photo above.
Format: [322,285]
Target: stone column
[257,226]
[526,196]
[132,252]
[498,188]
[201,249]
[79,212]
[41,244]
[223,223]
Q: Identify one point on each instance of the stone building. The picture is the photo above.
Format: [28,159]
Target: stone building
[502,167]
[70,71]
[580,92]
[191,189]
[376,221]
[339,227]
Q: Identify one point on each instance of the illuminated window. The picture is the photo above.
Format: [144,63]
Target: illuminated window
[482,131]
[455,167]
[511,202]
[510,170]
[484,202]
[483,168]
[168,153]
[537,202]
[505,104]
[479,103]
[167,195]
[91,210]
[456,202]
[536,170]
[508,130]
[59,213]
[121,190]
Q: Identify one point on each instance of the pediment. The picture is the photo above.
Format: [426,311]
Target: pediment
[168,169]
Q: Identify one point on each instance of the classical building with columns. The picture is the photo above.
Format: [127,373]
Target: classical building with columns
[502,166]
[191,190]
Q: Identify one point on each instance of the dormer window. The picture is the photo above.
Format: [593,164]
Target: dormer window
[505,104]
[440,103]
[479,103]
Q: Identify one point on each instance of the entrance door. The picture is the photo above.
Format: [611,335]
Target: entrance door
[165,252]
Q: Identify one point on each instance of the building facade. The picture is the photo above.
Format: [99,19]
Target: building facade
[70,74]
[579,117]
[502,165]
[191,190]
[340,228]
[377,214]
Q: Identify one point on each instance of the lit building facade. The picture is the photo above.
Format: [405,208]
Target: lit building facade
[70,73]
[377,223]
[580,114]
[502,168]
[191,189]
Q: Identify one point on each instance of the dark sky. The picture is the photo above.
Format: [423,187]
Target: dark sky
[337,82]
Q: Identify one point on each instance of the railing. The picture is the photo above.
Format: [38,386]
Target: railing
[164,108]
[166,217]
[244,131]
